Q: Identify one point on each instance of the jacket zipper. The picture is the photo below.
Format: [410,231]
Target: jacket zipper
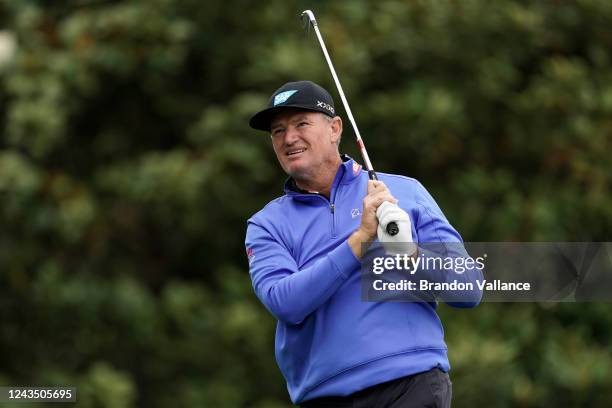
[332,208]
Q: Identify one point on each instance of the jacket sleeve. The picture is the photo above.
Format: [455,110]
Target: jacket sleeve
[288,293]
[438,239]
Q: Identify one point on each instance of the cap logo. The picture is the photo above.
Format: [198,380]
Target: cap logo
[283,96]
[325,106]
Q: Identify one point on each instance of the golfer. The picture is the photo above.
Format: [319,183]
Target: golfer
[304,251]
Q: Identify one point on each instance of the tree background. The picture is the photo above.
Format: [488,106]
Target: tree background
[128,170]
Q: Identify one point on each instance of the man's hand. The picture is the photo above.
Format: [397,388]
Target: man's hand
[377,194]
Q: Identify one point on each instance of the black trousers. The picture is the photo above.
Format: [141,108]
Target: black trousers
[431,388]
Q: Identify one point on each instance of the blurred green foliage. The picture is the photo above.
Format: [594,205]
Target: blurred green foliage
[127,171]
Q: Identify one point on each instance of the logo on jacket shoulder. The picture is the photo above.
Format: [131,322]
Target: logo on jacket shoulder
[356,168]
[250,254]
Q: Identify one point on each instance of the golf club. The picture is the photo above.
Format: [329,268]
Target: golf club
[392,228]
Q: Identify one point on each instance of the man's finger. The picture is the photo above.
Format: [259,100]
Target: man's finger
[379,198]
[376,186]
[372,186]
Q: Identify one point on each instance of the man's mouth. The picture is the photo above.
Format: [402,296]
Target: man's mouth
[295,151]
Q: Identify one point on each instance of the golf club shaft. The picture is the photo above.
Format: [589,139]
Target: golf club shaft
[364,152]
[392,228]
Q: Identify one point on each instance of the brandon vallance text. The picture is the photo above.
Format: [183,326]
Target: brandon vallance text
[425,285]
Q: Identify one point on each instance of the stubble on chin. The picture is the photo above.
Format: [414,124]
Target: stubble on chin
[299,174]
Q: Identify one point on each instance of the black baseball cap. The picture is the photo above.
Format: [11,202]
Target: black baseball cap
[304,95]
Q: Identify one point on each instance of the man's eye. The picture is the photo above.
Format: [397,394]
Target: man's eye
[302,123]
[276,131]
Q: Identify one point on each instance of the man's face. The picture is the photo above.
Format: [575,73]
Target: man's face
[305,142]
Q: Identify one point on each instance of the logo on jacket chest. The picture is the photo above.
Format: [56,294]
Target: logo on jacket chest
[355,213]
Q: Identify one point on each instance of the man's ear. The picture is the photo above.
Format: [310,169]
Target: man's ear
[336,126]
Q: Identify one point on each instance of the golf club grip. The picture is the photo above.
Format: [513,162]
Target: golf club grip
[392,228]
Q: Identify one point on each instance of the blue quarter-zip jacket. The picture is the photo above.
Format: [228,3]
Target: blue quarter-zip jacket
[328,341]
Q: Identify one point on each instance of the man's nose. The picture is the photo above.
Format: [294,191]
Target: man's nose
[291,135]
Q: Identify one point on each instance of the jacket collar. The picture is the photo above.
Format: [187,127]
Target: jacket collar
[348,171]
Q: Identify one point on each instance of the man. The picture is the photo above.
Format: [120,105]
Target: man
[304,252]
